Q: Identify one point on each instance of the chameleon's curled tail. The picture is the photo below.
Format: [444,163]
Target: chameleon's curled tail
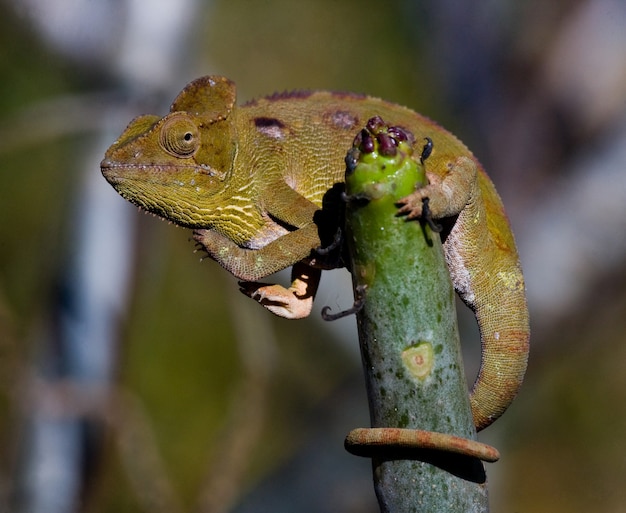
[484,265]
[502,317]
[370,442]
[501,373]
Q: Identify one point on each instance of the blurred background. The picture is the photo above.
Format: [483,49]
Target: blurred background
[135,378]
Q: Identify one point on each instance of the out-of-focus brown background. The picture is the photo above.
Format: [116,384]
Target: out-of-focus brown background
[135,378]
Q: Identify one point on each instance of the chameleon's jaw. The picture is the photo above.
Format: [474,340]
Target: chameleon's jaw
[120,180]
[145,187]
[128,183]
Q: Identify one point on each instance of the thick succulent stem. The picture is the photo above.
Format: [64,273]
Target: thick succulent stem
[409,339]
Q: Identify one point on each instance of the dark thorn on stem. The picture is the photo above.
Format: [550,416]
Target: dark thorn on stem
[359,302]
[333,245]
[359,199]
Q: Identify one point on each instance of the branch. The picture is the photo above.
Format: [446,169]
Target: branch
[409,339]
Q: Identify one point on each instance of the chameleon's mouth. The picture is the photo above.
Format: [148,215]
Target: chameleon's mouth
[110,171]
[115,172]
[125,173]
[116,175]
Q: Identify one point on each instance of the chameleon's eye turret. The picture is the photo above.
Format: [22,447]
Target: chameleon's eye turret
[179,136]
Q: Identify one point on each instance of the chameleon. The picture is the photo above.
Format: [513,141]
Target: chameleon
[252,181]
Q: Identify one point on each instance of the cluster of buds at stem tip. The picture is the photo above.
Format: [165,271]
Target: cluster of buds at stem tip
[378,137]
[387,137]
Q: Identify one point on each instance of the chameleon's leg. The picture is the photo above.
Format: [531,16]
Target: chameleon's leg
[254,264]
[446,197]
[288,205]
[248,265]
[294,302]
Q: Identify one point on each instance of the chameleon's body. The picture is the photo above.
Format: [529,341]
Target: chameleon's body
[250,179]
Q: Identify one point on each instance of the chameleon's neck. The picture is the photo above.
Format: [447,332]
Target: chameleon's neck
[233,209]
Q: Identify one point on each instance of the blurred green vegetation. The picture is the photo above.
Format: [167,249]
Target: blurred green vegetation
[316,45]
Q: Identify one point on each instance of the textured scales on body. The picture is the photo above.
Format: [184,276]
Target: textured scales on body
[249,181]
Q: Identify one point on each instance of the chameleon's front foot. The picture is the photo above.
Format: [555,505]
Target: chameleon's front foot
[416,205]
[294,302]
[446,196]
[412,205]
[288,303]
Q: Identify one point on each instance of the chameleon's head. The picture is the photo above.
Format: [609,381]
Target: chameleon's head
[171,166]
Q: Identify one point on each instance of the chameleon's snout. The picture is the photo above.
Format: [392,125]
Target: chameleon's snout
[111,172]
[107,169]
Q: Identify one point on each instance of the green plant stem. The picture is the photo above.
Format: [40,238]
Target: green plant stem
[409,341]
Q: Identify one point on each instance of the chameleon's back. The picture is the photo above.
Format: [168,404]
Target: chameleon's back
[317,129]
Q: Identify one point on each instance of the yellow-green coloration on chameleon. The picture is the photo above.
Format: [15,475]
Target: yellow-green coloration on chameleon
[250,182]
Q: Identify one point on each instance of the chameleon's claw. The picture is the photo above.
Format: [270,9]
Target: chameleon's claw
[427,217]
[427,149]
[416,206]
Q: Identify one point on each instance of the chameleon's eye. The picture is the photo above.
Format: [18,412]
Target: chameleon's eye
[179,137]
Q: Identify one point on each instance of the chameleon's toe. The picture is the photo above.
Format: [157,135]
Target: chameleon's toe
[411,206]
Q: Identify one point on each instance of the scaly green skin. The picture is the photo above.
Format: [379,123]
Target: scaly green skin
[249,181]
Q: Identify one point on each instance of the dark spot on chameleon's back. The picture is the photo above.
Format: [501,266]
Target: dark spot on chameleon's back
[264,122]
[343,119]
[271,127]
